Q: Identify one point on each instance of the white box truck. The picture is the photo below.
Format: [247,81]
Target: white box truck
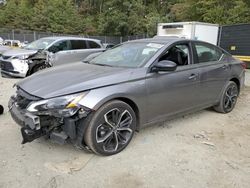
[190,30]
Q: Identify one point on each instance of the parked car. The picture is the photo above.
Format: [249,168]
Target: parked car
[1,41]
[16,62]
[24,44]
[3,49]
[12,43]
[99,104]
[108,45]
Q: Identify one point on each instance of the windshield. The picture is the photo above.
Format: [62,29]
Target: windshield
[127,55]
[39,44]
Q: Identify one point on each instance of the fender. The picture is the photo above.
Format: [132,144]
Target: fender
[97,97]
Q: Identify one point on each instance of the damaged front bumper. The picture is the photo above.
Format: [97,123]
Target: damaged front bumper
[59,130]
[14,68]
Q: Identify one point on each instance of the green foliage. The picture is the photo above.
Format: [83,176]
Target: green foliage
[213,11]
[39,21]
[117,17]
[8,14]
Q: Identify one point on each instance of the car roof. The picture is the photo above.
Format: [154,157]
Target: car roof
[68,38]
[160,39]
[166,40]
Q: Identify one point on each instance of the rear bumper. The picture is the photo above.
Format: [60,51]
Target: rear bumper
[242,80]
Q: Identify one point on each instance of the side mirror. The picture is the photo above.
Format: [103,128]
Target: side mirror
[164,66]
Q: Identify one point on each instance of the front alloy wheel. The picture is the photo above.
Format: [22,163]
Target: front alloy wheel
[111,128]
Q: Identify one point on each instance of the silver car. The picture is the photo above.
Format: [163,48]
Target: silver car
[99,104]
[4,49]
[16,62]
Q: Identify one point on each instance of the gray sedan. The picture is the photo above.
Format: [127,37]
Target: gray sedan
[99,104]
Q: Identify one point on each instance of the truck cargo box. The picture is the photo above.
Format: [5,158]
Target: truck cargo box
[190,30]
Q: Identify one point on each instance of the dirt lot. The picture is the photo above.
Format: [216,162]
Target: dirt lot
[204,149]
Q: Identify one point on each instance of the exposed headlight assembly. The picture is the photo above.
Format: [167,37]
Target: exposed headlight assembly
[65,106]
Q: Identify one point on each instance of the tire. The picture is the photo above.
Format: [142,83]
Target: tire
[104,134]
[228,99]
[1,109]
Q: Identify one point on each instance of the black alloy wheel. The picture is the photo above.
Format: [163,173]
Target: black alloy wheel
[228,99]
[111,128]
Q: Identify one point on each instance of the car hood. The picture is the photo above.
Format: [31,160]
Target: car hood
[19,52]
[73,78]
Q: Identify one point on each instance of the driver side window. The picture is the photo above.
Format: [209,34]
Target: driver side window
[179,53]
[59,46]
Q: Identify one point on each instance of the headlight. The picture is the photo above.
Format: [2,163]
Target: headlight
[22,57]
[65,106]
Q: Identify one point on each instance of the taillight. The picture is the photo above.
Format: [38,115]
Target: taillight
[244,65]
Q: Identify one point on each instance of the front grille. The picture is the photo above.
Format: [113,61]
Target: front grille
[5,65]
[23,99]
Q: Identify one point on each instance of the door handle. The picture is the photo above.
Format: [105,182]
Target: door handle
[193,77]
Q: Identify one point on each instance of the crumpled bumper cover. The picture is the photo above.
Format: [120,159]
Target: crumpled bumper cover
[33,127]
[30,123]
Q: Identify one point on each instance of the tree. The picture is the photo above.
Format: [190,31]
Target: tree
[62,17]
[39,19]
[117,17]
[23,14]
[212,11]
[8,14]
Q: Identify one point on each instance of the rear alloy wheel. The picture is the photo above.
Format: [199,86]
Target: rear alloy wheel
[228,99]
[111,128]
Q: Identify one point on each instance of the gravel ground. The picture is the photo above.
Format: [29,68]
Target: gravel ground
[204,149]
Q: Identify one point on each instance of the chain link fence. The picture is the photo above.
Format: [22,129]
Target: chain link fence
[29,36]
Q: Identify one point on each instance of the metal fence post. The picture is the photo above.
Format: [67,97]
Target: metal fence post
[13,34]
[34,33]
[219,37]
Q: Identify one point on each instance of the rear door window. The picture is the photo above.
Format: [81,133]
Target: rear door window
[93,44]
[78,44]
[207,53]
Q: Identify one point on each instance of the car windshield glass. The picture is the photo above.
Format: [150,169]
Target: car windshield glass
[39,44]
[132,54]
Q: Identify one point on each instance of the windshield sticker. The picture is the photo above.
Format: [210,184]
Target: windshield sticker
[155,45]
